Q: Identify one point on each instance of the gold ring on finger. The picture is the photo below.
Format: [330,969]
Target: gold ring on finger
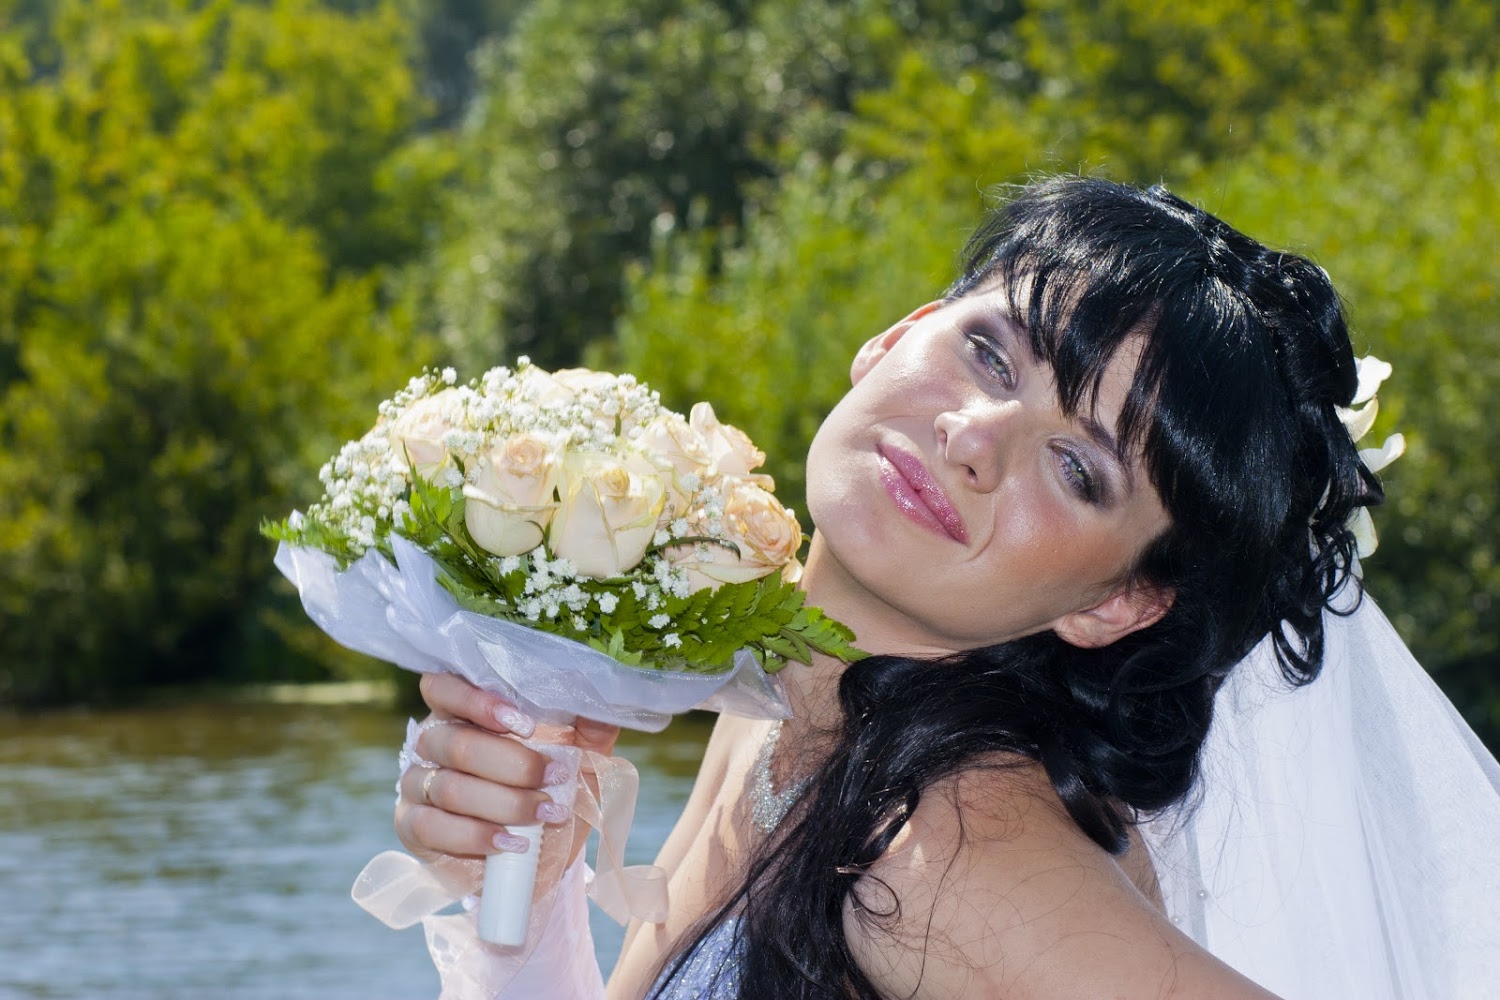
[427,785]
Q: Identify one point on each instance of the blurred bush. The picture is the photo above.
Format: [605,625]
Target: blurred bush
[196,201]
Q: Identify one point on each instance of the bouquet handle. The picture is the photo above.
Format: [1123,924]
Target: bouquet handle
[509,880]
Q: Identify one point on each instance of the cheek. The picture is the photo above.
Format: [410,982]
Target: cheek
[834,493]
[1056,560]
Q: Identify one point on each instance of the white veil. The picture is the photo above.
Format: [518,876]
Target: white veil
[1345,838]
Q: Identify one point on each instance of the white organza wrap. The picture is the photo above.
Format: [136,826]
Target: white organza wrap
[1345,840]
[400,613]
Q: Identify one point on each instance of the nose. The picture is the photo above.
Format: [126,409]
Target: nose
[973,439]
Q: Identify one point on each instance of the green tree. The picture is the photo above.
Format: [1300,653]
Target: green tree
[1148,85]
[594,122]
[197,204]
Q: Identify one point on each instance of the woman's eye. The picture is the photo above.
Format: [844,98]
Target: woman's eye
[1079,477]
[992,359]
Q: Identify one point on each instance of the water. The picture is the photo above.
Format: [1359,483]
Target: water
[208,850]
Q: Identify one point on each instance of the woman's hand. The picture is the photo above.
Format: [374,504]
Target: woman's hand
[486,780]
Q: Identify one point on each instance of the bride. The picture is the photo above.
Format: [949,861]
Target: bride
[1094,499]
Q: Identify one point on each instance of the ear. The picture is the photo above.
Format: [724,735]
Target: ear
[1128,610]
[878,346]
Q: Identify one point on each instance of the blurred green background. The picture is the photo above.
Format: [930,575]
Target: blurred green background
[228,229]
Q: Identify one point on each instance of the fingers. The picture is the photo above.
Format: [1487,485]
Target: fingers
[451,697]
[489,756]
[485,780]
[430,832]
[454,792]
[596,736]
[482,784]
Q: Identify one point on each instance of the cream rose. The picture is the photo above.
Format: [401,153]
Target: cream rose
[509,494]
[417,435]
[607,513]
[766,534]
[730,449]
[671,441]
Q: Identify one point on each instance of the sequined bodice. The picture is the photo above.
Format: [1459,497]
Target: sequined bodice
[711,972]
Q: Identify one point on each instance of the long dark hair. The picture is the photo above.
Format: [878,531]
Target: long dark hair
[1233,406]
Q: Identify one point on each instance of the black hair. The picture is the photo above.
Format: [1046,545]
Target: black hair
[1233,405]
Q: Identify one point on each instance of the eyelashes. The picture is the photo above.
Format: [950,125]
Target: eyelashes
[1080,478]
[991,358]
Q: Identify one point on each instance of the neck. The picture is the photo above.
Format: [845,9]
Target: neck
[813,690]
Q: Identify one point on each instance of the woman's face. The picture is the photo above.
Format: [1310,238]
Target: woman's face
[957,505]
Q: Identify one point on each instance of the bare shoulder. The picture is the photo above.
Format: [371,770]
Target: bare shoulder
[992,891]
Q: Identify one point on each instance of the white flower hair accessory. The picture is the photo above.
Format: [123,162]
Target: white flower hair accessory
[1357,419]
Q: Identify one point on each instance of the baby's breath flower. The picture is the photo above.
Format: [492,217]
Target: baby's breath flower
[660,621]
[608,603]
[671,640]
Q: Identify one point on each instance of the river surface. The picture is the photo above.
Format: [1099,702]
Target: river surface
[206,851]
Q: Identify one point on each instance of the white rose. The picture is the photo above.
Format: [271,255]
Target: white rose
[580,380]
[607,512]
[417,435]
[766,534]
[671,442]
[541,389]
[510,494]
[730,448]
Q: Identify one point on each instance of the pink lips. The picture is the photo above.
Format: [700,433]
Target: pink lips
[918,494]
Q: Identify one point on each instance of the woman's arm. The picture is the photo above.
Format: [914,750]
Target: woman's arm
[648,945]
[1000,895]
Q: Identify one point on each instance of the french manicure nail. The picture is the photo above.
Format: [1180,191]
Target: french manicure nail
[509,843]
[551,812]
[515,721]
[556,773]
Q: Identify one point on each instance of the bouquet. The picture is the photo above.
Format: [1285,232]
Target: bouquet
[566,541]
